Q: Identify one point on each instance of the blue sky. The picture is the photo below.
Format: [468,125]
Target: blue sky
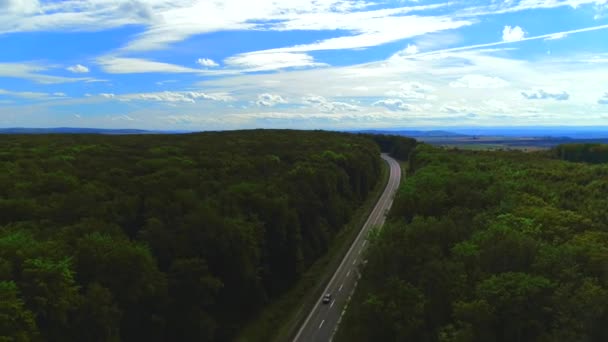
[332,64]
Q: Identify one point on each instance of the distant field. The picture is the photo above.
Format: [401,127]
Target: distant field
[504,143]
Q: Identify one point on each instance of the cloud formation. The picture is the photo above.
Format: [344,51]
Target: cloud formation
[31,95]
[170,97]
[34,72]
[479,82]
[412,90]
[540,94]
[557,36]
[328,60]
[206,62]
[411,49]
[265,61]
[322,104]
[19,6]
[123,65]
[269,100]
[78,69]
[393,104]
[512,34]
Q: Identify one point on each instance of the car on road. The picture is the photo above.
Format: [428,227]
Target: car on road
[327,298]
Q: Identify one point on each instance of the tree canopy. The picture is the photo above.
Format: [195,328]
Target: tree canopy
[166,237]
[488,246]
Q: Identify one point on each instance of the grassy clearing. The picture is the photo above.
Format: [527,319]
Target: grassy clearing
[280,320]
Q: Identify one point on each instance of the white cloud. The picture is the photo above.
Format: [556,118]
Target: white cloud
[269,100]
[428,89]
[170,97]
[455,109]
[322,104]
[315,99]
[137,9]
[431,85]
[375,31]
[601,8]
[440,40]
[78,69]
[411,49]
[400,54]
[540,94]
[412,90]
[29,95]
[30,71]
[167,22]
[262,61]
[19,6]
[122,118]
[367,27]
[393,104]
[556,36]
[122,65]
[603,99]
[206,62]
[512,34]
[162,83]
[479,82]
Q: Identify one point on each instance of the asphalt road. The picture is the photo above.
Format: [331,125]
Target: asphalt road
[323,320]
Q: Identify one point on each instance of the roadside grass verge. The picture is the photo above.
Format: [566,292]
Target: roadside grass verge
[281,319]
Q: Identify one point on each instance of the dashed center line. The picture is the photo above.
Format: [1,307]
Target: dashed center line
[364,242]
[348,273]
[332,303]
[354,261]
[340,289]
[320,325]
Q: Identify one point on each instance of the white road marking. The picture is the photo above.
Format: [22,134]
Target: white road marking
[348,273]
[320,325]
[364,242]
[340,289]
[354,261]
[332,303]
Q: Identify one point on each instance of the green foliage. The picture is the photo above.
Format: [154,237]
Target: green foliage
[16,321]
[397,146]
[499,246]
[167,238]
[590,153]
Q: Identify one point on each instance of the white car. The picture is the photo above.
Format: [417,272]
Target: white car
[327,298]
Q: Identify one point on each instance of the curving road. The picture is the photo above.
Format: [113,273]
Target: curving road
[323,320]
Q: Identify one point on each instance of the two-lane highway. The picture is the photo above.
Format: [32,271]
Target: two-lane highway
[323,320]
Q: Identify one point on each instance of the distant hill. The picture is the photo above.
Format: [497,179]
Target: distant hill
[414,133]
[503,137]
[75,130]
[587,132]
[555,132]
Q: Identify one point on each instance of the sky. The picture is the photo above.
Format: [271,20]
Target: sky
[327,64]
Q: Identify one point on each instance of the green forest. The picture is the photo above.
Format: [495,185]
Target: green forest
[589,153]
[167,237]
[490,246]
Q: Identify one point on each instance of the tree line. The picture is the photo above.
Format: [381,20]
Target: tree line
[166,237]
[590,153]
[488,246]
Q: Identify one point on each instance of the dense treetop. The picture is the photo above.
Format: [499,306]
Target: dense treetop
[166,237]
[489,246]
[590,153]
